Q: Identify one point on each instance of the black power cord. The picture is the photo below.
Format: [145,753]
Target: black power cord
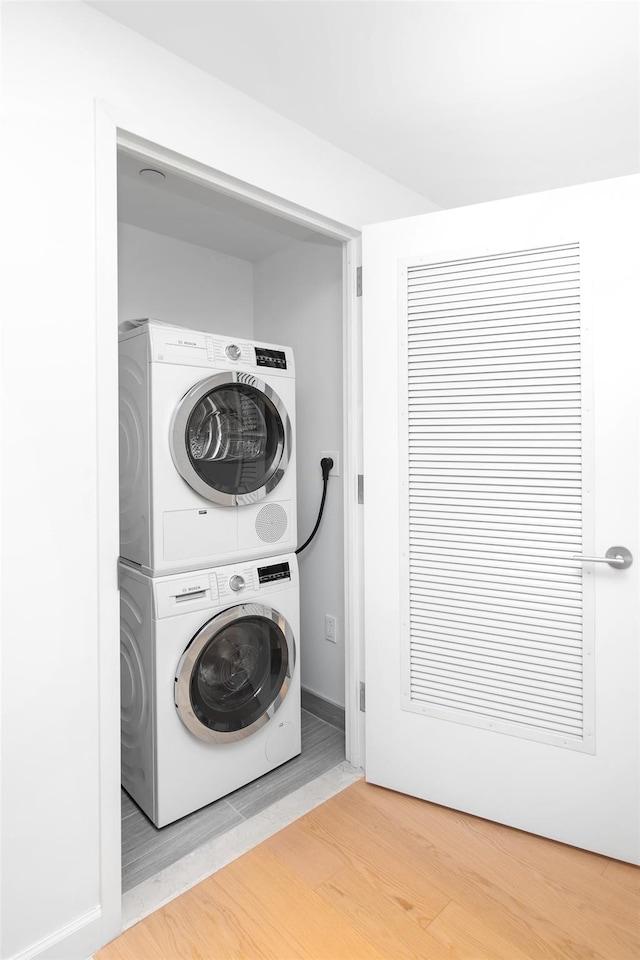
[326,464]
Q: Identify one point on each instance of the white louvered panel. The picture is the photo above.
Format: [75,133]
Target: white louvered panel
[494,475]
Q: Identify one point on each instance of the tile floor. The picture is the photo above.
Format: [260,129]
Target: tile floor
[146,851]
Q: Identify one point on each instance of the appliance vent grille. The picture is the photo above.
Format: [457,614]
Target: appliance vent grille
[271,523]
[494,420]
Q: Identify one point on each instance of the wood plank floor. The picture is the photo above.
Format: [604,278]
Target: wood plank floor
[372,873]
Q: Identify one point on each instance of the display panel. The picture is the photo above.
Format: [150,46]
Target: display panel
[273,573]
[271,358]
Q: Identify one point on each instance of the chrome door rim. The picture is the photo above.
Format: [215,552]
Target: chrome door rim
[178,445]
[196,646]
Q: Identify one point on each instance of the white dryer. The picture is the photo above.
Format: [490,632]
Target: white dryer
[210,682]
[207,454]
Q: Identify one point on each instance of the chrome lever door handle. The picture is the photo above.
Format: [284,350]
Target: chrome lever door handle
[618,557]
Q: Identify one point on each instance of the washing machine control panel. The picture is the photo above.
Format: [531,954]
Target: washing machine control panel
[235,582]
[273,573]
[222,586]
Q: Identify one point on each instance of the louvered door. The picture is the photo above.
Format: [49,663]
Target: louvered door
[501,446]
[492,348]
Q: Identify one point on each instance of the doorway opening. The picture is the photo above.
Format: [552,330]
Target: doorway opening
[204,255]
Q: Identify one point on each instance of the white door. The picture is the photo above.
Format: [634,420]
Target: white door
[501,398]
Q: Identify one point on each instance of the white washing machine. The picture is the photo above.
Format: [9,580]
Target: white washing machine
[207,454]
[210,682]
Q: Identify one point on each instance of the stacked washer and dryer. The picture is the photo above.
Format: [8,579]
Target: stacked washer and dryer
[208,573]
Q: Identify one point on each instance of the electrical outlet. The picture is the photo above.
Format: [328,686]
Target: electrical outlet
[335,469]
[330,629]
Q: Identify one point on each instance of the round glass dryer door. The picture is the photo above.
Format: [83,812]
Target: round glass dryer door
[235,673]
[231,438]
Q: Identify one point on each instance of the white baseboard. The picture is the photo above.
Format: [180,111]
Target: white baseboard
[75,941]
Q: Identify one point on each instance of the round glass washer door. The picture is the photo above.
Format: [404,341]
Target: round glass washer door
[235,673]
[231,438]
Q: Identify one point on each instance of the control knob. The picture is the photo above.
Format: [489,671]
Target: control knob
[233,351]
[236,582]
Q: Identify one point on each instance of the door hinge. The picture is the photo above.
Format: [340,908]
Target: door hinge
[358,281]
[360,488]
[362,697]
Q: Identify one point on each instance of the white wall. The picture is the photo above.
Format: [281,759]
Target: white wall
[183,283]
[299,302]
[60,840]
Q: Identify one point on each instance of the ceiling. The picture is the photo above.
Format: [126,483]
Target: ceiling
[459,101]
[191,211]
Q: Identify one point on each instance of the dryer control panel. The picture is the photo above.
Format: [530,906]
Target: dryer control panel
[271,358]
[171,344]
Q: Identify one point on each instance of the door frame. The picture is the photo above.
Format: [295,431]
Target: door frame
[109,137]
